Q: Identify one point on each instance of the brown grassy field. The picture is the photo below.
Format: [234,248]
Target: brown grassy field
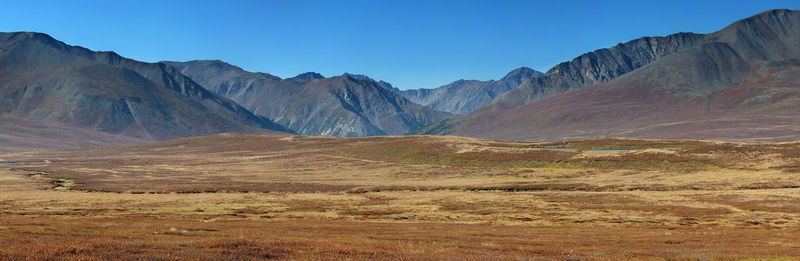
[242,196]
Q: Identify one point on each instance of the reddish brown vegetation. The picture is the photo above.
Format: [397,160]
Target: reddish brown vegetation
[167,239]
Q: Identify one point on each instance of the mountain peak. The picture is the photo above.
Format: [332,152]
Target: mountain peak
[212,67]
[774,12]
[765,36]
[361,77]
[36,36]
[522,69]
[309,76]
[23,34]
[523,72]
[215,62]
[205,63]
[777,18]
[358,77]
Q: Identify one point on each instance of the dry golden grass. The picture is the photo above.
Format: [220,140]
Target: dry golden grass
[237,196]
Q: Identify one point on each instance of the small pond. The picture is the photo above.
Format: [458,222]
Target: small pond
[9,163]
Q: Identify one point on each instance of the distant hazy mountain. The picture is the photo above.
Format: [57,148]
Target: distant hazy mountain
[347,105]
[466,96]
[42,79]
[740,83]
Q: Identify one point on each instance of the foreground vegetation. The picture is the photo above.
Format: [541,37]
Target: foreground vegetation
[236,196]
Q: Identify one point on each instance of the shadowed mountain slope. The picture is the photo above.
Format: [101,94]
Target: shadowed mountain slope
[347,105]
[466,96]
[740,83]
[42,79]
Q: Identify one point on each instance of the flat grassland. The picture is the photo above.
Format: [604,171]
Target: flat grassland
[247,196]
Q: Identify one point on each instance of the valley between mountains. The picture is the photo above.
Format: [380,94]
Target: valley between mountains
[676,147]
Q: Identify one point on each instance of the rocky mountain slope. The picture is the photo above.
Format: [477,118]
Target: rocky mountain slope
[347,105]
[595,67]
[739,83]
[466,96]
[42,79]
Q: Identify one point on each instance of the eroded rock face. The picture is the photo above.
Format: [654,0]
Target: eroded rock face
[348,105]
[466,96]
[44,79]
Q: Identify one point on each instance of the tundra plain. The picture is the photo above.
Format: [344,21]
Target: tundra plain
[253,196]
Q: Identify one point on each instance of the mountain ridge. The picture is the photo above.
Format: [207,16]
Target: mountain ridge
[346,105]
[465,96]
[42,78]
[734,84]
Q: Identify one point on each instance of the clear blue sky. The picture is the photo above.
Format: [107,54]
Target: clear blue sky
[411,44]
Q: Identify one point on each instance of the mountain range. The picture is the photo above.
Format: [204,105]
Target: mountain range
[739,83]
[310,104]
[466,96]
[42,79]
